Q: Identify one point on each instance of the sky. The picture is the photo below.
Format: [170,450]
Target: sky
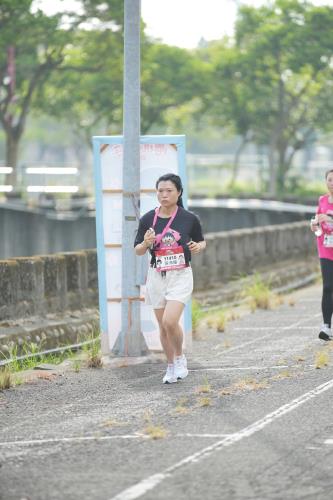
[181,22]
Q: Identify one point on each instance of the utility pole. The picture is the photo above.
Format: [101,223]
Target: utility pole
[130,341]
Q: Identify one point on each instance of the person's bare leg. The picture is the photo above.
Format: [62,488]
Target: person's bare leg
[170,323]
[166,343]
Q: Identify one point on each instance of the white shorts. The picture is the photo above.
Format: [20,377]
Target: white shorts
[176,285]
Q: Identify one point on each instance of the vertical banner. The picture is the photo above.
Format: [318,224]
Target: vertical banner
[158,155]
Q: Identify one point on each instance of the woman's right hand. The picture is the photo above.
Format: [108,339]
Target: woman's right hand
[149,237]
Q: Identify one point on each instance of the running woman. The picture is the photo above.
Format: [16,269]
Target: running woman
[172,234]
[322,225]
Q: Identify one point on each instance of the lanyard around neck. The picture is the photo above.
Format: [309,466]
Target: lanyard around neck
[160,236]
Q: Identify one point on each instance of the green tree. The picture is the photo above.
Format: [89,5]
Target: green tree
[229,101]
[92,102]
[34,47]
[171,77]
[277,78]
[31,47]
[89,98]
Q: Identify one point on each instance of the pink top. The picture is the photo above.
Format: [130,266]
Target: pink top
[325,207]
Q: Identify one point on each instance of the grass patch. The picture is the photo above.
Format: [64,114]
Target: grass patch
[322,359]
[30,362]
[259,294]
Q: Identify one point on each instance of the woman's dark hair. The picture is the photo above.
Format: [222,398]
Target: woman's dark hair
[176,180]
[328,172]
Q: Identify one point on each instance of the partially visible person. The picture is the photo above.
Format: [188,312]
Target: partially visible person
[172,235]
[322,226]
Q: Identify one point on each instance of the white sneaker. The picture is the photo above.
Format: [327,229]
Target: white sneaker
[181,370]
[325,333]
[170,377]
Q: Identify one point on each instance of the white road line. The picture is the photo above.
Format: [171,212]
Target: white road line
[75,439]
[284,328]
[243,368]
[263,328]
[328,441]
[240,346]
[203,435]
[142,487]
[279,328]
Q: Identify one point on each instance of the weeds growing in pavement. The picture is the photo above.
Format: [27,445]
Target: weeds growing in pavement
[197,314]
[251,384]
[226,391]
[180,408]
[205,401]
[281,362]
[259,294]
[322,359]
[247,384]
[112,423]
[217,320]
[155,431]
[205,388]
[93,353]
[77,365]
[33,349]
[226,343]
[6,379]
[282,375]
[151,430]
[279,300]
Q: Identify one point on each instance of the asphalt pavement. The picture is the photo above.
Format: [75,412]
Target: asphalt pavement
[253,420]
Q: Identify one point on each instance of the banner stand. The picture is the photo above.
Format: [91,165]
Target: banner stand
[158,155]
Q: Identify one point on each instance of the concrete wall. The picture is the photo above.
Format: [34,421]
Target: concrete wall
[226,219]
[36,286]
[32,232]
[68,281]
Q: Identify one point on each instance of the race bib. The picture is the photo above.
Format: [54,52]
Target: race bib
[168,259]
[328,240]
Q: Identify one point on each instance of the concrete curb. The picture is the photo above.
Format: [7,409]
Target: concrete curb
[48,333]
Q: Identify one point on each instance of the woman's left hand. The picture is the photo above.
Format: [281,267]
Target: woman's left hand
[194,247]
